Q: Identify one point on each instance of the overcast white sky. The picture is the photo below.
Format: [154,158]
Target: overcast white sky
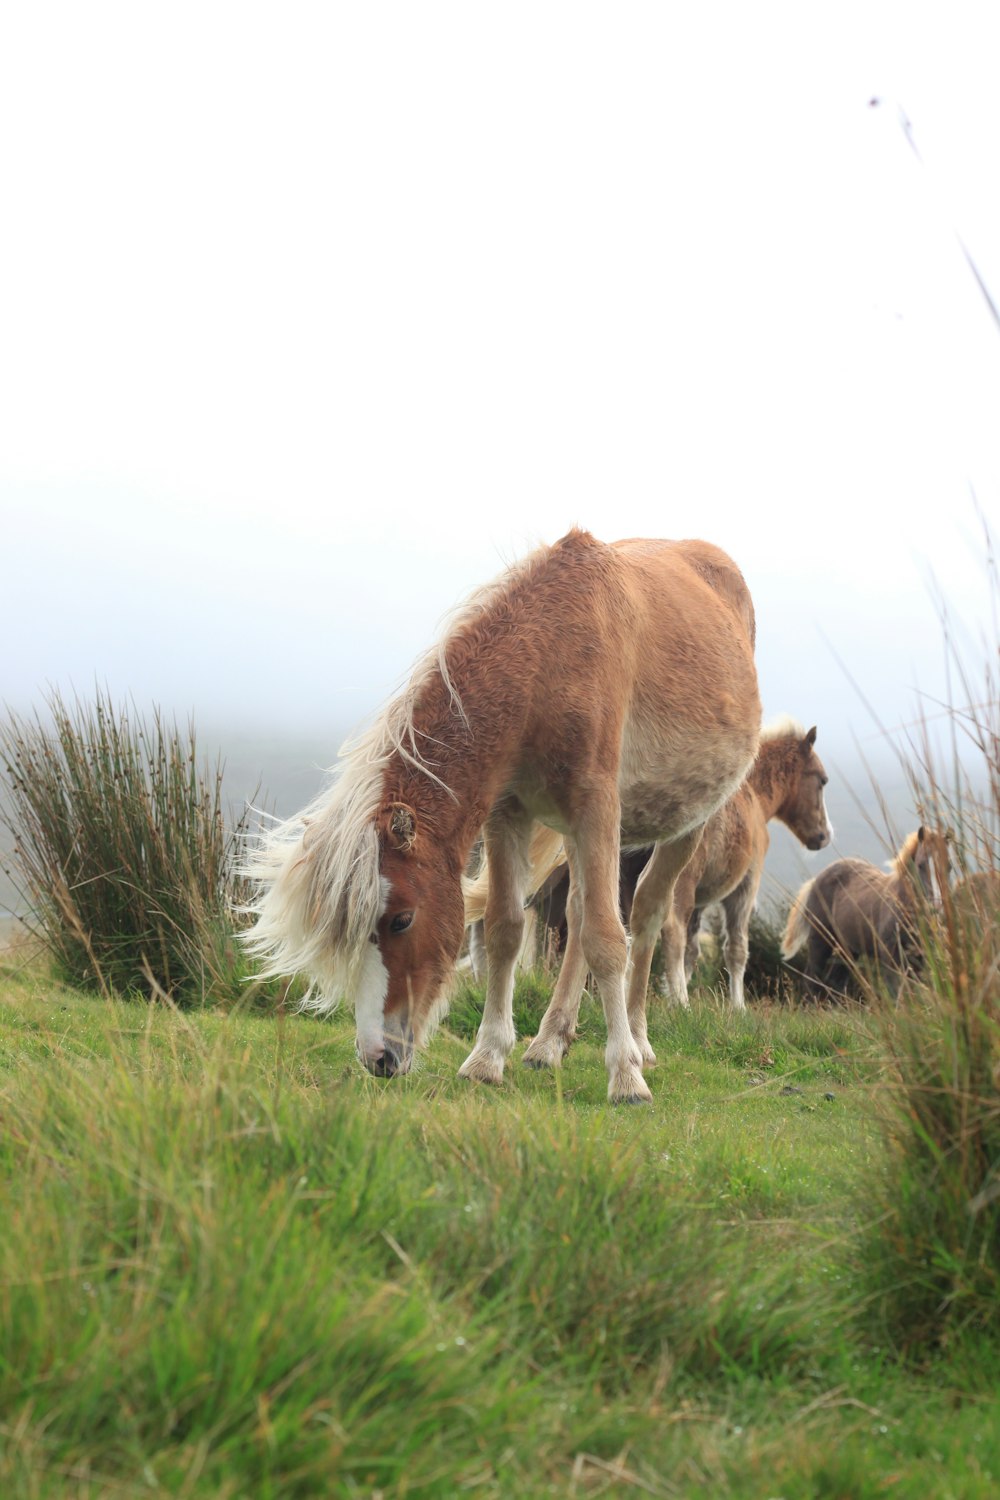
[314,316]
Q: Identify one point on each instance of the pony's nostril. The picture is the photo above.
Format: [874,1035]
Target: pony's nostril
[384,1063]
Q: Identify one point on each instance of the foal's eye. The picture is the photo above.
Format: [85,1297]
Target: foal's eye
[401,921]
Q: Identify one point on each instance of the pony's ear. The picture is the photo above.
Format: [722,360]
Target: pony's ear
[810,738]
[920,833]
[399,826]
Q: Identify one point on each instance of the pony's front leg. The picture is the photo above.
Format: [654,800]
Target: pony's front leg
[693,944]
[737,906]
[654,915]
[558,1025]
[506,838]
[604,945]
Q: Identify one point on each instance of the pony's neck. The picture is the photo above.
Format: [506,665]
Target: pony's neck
[772,775]
[468,741]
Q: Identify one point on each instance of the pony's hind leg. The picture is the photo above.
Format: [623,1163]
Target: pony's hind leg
[507,835]
[558,1025]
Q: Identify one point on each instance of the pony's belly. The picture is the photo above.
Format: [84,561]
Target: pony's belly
[652,813]
[670,787]
[660,808]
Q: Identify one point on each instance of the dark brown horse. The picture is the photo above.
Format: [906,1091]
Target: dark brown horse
[606,691]
[854,917]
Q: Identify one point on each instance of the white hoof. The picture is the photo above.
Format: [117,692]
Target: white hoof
[482,1067]
[545,1052]
[626,1085]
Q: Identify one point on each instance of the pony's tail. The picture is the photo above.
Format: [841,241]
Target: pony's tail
[797,927]
[545,854]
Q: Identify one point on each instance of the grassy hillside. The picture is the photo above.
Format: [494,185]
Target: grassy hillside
[233,1264]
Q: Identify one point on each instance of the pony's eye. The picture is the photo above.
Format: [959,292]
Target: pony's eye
[401,921]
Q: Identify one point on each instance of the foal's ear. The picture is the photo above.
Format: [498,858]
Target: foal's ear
[398,825]
[810,738]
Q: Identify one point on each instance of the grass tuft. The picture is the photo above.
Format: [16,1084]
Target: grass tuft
[933,1252]
[121,851]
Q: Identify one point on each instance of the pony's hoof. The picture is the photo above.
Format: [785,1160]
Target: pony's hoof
[630,1088]
[648,1055]
[480,1067]
[545,1054]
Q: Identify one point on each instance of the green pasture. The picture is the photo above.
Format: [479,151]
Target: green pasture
[232,1264]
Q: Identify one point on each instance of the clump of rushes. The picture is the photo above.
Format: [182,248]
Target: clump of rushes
[935,1250]
[121,853]
[933,1255]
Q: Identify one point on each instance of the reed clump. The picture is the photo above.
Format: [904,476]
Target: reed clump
[122,855]
[932,1253]
[934,1250]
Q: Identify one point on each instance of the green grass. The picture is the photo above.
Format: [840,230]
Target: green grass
[234,1264]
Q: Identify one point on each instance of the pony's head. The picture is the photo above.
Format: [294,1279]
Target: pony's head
[367,904]
[413,944]
[803,808]
[927,853]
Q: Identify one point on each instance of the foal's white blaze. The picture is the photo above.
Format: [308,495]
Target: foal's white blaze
[934,893]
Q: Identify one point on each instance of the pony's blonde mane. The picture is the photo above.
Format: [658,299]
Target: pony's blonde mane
[320,889]
[781,728]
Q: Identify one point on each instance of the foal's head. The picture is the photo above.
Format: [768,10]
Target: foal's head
[928,852]
[414,944]
[804,809]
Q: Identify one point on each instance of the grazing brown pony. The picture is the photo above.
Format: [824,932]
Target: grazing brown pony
[595,688]
[854,914]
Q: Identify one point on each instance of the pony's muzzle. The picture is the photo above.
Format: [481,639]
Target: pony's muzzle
[395,1057]
[818,840]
